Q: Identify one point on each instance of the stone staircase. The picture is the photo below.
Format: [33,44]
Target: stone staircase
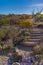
[35,37]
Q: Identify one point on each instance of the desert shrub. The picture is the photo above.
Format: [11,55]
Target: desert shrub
[2,34]
[5,21]
[37,49]
[8,31]
[7,48]
[27,37]
[1,23]
[0,45]
[27,24]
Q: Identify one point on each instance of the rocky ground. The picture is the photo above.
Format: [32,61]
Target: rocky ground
[3,60]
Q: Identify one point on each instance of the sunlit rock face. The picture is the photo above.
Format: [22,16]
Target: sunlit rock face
[16,63]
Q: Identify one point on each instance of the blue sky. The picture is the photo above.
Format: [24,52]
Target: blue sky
[20,6]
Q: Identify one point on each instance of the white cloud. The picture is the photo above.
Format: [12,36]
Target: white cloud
[39,5]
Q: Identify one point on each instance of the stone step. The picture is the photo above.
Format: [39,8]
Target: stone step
[36,30]
[36,37]
[25,48]
[29,44]
[36,34]
[33,40]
